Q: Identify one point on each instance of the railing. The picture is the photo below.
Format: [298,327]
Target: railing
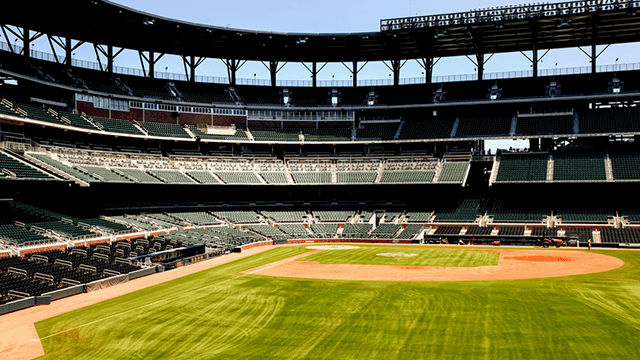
[327,83]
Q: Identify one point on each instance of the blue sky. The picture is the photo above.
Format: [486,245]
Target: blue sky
[332,16]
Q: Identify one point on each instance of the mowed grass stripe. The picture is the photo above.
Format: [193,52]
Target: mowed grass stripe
[424,257]
[221,314]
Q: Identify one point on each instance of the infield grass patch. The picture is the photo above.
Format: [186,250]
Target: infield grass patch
[425,257]
[221,314]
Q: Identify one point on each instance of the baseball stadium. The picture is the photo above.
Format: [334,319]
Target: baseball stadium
[198,215]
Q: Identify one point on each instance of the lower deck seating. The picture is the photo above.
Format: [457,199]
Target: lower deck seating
[407,176]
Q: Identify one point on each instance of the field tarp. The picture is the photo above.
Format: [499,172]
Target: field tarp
[63,293]
[105,283]
[17,305]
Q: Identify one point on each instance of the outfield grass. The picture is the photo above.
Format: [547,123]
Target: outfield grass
[424,257]
[222,314]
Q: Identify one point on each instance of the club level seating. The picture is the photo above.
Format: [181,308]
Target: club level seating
[139,176]
[479,230]
[544,231]
[366,216]
[419,217]
[324,230]
[106,175]
[407,176]
[484,125]
[163,129]
[238,217]
[511,231]
[63,229]
[327,134]
[544,125]
[466,210]
[356,231]
[579,165]
[609,121]
[285,216]
[379,131]
[240,134]
[136,222]
[453,172]
[171,176]
[332,216]
[356,177]
[311,178]
[295,230]
[410,231]
[168,219]
[203,177]
[390,216]
[107,226]
[274,134]
[116,125]
[625,165]
[267,231]
[198,218]
[503,212]
[238,177]
[74,119]
[448,230]
[427,129]
[385,231]
[21,171]
[274,177]
[633,214]
[522,167]
[584,215]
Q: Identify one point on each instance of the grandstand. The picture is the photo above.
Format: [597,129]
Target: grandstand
[99,155]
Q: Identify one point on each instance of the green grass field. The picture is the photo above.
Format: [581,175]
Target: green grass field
[221,314]
[424,257]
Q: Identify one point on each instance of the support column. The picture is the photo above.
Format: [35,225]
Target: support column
[26,42]
[110,59]
[535,60]
[355,73]
[594,54]
[152,65]
[67,52]
[273,71]
[480,62]
[192,69]
[314,75]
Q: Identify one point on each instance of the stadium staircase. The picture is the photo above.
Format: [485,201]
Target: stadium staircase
[436,177]
[250,135]
[334,174]
[140,128]
[397,135]
[608,167]
[495,169]
[514,125]
[188,131]
[454,129]
[287,174]
[379,173]
[576,124]
[550,167]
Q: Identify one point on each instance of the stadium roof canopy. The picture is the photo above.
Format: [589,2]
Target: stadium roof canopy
[106,23]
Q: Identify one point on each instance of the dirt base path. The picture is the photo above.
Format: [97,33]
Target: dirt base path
[19,338]
[513,264]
